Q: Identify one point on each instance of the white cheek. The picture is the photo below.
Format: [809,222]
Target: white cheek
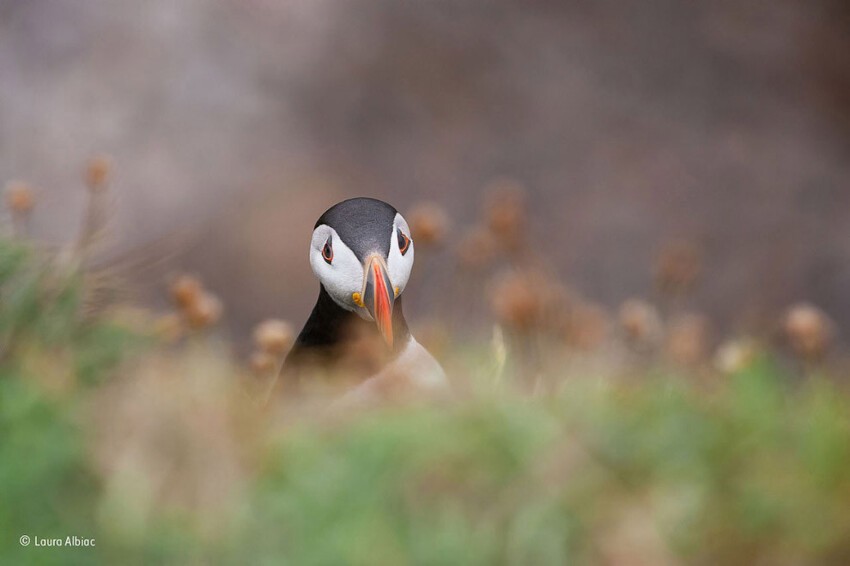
[343,276]
[399,266]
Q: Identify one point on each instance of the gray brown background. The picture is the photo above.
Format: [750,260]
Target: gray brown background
[631,123]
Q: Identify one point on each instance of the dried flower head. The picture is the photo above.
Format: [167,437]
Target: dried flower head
[186,290]
[97,172]
[519,299]
[428,224]
[477,248]
[808,330]
[203,312]
[273,336]
[677,268]
[688,339]
[505,213]
[735,355]
[20,198]
[640,323]
[262,363]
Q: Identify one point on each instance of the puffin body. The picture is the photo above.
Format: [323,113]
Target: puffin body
[362,253]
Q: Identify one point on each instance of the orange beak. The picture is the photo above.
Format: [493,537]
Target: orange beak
[378,296]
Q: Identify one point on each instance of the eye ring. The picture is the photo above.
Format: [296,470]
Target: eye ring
[328,252]
[403,242]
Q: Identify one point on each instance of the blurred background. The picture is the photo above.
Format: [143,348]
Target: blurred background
[629,127]
[632,226]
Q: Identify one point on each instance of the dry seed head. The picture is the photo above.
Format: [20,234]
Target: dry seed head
[428,224]
[204,312]
[186,290]
[519,299]
[735,355]
[808,330]
[477,248]
[688,339]
[516,305]
[640,322]
[273,336]
[262,363]
[677,268]
[505,212]
[97,172]
[20,198]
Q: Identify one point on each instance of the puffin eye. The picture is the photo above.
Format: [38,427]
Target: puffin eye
[328,252]
[403,241]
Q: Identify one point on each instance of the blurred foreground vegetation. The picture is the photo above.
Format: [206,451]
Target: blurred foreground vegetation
[162,452]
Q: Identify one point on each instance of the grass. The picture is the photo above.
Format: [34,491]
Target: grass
[161,455]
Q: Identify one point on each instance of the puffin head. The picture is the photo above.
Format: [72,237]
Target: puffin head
[362,253]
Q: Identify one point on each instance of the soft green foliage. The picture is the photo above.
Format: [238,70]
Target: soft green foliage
[753,471]
[47,485]
[753,468]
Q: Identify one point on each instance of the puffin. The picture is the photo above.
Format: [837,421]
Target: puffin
[362,253]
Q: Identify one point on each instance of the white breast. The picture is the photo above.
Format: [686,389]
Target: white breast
[419,366]
[414,371]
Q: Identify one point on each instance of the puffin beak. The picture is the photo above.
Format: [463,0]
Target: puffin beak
[378,296]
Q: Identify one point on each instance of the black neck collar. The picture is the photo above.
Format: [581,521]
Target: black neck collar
[329,324]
